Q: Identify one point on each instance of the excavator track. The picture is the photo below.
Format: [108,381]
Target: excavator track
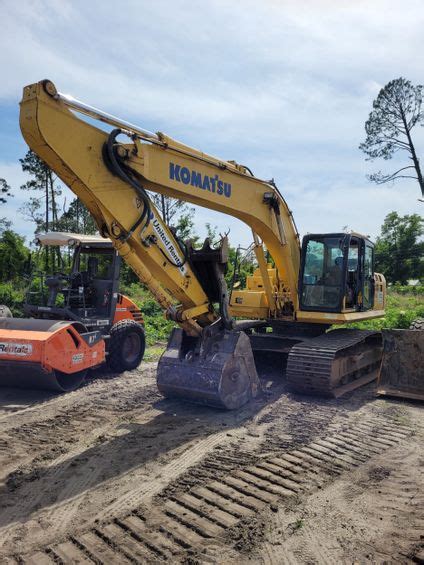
[334,363]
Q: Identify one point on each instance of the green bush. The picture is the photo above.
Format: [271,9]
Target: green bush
[401,309]
[150,307]
[156,325]
[12,297]
[143,298]
[14,257]
[158,328]
[405,290]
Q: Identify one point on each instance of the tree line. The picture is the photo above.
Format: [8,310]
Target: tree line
[49,212]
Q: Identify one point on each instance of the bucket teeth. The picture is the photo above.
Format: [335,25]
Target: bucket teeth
[218,370]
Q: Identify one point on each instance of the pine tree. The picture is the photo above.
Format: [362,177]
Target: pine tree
[77,219]
[396,111]
[5,192]
[42,179]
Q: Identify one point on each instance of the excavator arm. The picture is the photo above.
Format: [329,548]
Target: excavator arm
[78,151]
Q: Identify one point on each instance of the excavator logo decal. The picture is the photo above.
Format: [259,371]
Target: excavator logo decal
[194,178]
[160,232]
[164,238]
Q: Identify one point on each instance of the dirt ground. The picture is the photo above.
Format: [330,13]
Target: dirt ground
[114,473]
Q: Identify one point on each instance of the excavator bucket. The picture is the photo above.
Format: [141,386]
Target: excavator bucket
[218,370]
[47,354]
[402,368]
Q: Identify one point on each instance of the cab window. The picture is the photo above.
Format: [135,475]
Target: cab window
[323,274]
[97,264]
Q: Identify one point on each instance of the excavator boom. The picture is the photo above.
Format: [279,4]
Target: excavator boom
[162,165]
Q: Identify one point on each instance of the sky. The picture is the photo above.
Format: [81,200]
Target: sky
[284,87]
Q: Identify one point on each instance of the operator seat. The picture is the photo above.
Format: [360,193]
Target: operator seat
[82,292]
[92,267]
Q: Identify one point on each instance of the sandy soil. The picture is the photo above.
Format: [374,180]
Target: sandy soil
[114,473]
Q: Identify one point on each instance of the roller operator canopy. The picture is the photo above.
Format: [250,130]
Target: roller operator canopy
[67,238]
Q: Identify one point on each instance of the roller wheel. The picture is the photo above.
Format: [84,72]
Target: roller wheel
[417,324]
[66,383]
[126,347]
[5,312]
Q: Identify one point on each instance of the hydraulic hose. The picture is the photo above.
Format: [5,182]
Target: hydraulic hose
[115,165]
[124,173]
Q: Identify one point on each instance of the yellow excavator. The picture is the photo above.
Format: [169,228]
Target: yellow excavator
[292,299]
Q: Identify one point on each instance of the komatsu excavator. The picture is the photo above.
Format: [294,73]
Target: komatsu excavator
[289,303]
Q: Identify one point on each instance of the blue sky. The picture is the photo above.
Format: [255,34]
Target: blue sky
[281,86]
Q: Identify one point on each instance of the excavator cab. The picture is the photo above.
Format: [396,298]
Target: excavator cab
[337,273]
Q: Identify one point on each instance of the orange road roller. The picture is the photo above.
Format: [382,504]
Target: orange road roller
[76,321]
[48,354]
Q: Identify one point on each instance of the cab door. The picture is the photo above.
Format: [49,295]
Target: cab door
[367,275]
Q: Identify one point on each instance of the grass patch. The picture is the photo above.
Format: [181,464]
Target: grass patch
[401,310]
[296,525]
[154,352]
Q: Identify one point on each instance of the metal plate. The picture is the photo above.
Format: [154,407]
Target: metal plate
[402,368]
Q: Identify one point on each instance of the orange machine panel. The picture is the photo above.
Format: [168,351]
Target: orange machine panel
[126,309]
[62,349]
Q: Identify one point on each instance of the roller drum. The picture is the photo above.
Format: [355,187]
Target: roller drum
[25,355]
[32,376]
